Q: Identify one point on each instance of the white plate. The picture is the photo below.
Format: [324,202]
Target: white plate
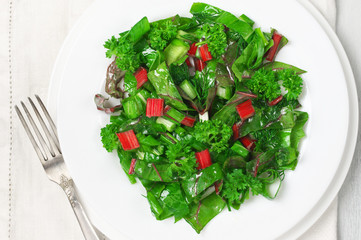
[119,209]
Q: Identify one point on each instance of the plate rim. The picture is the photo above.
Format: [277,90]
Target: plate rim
[334,186]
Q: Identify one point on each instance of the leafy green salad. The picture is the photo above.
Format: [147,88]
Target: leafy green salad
[206,117]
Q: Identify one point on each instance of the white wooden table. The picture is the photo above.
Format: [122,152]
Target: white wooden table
[349,209]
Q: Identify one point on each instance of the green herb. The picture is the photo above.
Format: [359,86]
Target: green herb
[215,37]
[264,83]
[161,34]
[182,159]
[124,47]
[291,82]
[213,133]
[237,185]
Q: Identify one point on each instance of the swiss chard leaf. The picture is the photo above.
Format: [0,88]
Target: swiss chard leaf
[150,171]
[173,199]
[204,211]
[165,87]
[138,30]
[228,113]
[152,58]
[130,83]
[197,183]
[125,158]
[208,13]
[280,66]
[297,131]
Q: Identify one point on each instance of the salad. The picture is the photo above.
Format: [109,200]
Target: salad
[206,117]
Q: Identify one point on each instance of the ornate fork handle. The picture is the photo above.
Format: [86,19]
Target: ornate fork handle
[47,147]
[68,186]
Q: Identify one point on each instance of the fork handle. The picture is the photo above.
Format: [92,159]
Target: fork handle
[73,197]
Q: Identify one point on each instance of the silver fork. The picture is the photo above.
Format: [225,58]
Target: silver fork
[51,158]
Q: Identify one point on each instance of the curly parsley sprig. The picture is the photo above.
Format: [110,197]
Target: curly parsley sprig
[213,133]
[215,37]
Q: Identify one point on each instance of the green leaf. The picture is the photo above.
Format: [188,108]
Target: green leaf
[297,131]
[155,205]
[204,211]
[133,107]
[125,158]
[286,158]
[197,183]
[228,113]
[149,141]
[174,200]
[147,171]
[240,67]
[280,66]
[234,23]
[138,30]
[208,13]
[130,83]
[204,83]
[165,87]
[152,58]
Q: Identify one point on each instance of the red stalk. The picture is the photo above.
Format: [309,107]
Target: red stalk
[188,62]
[235,129]
[248,143]
[156,170]
[273,50]
[132,166]
[193,49]
[141,76]
[217,185]
[203,159]
[276,100]
[188,121]
[200,64]
[205,54]
[128,140]
[245,109]
[256,167]
[154,107]
[197,213]
[166,109]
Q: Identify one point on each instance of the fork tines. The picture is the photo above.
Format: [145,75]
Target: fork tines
[48,148]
